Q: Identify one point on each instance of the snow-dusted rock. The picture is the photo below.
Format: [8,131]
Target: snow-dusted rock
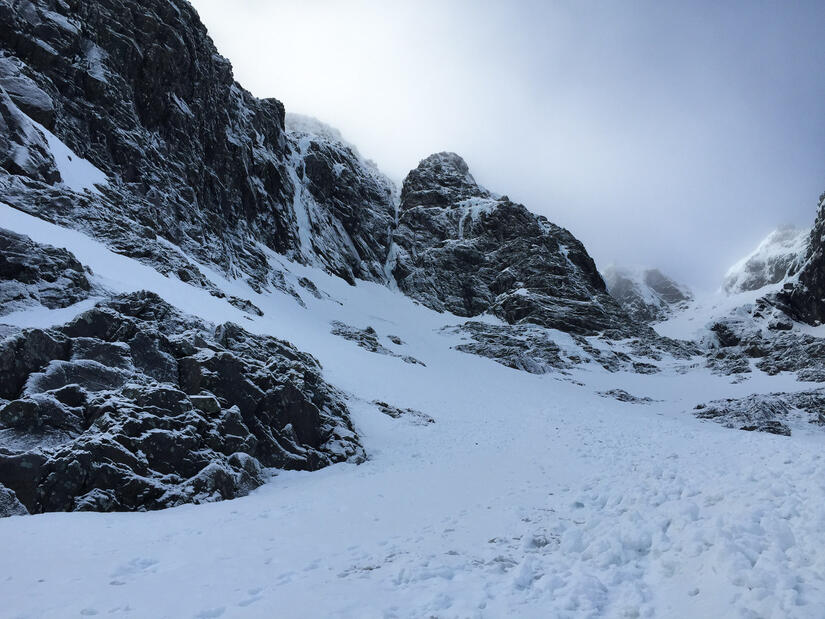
[461,249]
[120,118]
[647,295]
[804,297]
[776,257]
[761,335]
[344,204]
[367,338]
[9,505]
[32,274]
[766,412]
[539,350]
[133,405]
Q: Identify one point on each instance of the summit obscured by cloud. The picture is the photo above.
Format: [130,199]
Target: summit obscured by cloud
[674,135]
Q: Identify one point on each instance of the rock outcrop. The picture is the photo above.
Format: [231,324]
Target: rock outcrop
[647,295]
[133,405]
[461,249]
[804,297]
[36,274]
[770,413]
[349,203]
[121,119]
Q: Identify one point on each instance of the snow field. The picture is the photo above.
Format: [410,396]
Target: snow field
[530,496]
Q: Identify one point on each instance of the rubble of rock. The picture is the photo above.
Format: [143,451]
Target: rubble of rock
[133,406]
[623,396]
[367,339]
[766,412]
[414,416]
[534,349]
[761,335]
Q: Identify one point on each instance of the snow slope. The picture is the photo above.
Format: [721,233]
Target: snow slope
[530,495]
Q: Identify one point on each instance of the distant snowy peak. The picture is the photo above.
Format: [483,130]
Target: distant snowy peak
[648,295]
[776,257]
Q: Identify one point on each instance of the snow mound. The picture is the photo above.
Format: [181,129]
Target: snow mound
[773,260]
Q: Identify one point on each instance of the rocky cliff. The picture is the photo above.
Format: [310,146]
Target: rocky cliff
[174,149]
[804,297]
[462,249]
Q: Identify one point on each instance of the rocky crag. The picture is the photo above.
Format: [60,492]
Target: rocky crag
[160,145]
[133,405]
[802,297]
[462,249]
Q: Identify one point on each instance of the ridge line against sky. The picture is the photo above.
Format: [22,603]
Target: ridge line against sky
[673,135]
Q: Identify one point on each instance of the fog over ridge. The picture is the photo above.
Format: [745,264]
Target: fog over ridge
[662,134]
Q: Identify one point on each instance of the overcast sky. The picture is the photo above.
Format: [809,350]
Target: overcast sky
[665,134]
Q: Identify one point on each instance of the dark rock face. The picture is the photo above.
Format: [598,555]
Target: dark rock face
[462,250]
[23,150]
[350,204]
[9,505]
[190,157]
[648,295]
[766,412]
[412,415]
[133,406]
[803,299]
[31,273]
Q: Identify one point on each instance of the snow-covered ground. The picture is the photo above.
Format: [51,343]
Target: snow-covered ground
[530,496]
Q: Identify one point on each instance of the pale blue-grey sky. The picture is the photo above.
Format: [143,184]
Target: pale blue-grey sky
[669,134]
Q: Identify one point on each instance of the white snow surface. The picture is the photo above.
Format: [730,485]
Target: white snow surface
[77,173]
[530,495]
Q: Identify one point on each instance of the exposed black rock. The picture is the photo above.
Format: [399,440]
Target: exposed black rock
[414,416]
[350,204]
[460,249]
[647,295]
[133,405]
[245,305]
[9,505]
[766,412]
[803,298]
[190,157]
[623,396]
[368,340]
[32,274]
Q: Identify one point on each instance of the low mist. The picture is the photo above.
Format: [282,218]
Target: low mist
[671,135]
